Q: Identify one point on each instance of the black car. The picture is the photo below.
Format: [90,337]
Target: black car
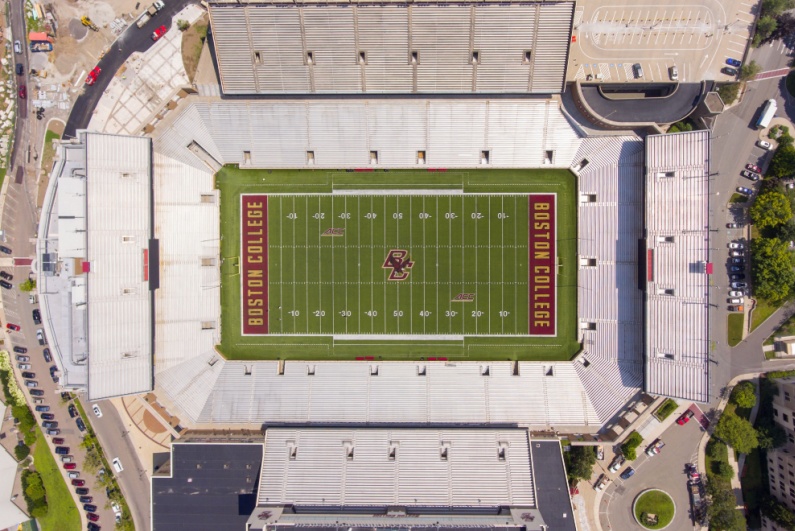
[92,526]
[53,370]
[62,450]
[72,411]
[47,356]
[20,69]
[6,250]
[36,392]
[729,71]
[47,416]
[86,499]
[36,316]
[43,409]
[49,424]
[20,350]
[89,508]
[64,394]
[6,284]
[80,424]
[7,276]
[82,490]
[29,375]
[738,276]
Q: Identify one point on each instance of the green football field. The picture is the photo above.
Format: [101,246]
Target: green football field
[466,254]
[396,265]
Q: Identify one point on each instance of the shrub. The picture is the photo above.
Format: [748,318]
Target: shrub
[744,395]
[183,25]
[28,285]
[725,470]
[665,409]
[579,463]
[729,92]
[34,493]
[631,444]
[21,451]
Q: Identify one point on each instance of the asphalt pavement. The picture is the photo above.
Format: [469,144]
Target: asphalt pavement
[659,110]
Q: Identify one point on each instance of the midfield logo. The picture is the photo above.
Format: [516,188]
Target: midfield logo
[464,297]
[334,232]
[398,261]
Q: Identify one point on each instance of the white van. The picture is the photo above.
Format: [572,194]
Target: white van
[117,465]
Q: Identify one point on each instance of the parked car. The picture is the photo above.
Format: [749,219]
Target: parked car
[729,71]
[93,75]
[73,475]
[764,144]
[69,466]
[81,491]
[6,284]
[6,250]
[685,417]
[159,32]
[97,411]
[736,253]
[17,47]
[47,356]
[30,375]
[43,409]
[736,245]
[47,416]
[36,392]
[637,70]
[7,276]
[94,527]
[749,175]
[55,431]
[600,452]
[21,358]
[655,447]
[736,293]
[14,327]
[62,450]
[40,337]
[117,464]
[628,473]
[673,73]
[20,350]
[745,191]
[78,482]
[20,69]
[94,517]
[57,440]
[23,366]
[72,410]
[80,424]
[732,226]
[602,482]
[37,316]
[90,508]
[64,394]
[67,459]
[753,168]
[50,424]
[618,460]
[737,269]
[738,260]
[86,499]
[736,300]
[737,277]
[733,62]
[739,308]
[31,383]
[23,92]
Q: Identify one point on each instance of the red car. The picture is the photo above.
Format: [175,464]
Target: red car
[686,416]
[69,466]
[23,92]
[78,482]
[753,167]
[93,75]
[94,517]
[12,326]
[57,440]
[159,32]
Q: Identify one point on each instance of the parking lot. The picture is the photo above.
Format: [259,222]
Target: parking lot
[696,37]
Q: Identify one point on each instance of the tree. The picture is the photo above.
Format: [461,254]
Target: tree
[774,8]
[783,162]
[765,27]
[35,488]
[27,285]
[21,451]
[92,462]
[786,140]
[721,503]
[728,92]
[771,208]
[744,395]
[736,432]
[630,445]
[771,269]
[183,25]
[777,511]
[581,462]
[680,127]
[749,70]
[725,470]
[771,435]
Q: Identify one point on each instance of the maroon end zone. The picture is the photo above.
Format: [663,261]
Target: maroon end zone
[254,251]
[541,270]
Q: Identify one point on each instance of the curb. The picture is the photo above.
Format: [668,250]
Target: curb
[635,502]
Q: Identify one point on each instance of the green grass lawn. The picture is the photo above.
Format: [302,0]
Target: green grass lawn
[62,514]
[49,150]
[655,502]
[738,198]
[786,329]
[323,286]
[753,488]
[735,328]
[763,310]
[665,409]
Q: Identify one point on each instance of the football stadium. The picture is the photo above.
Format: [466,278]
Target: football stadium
[446,264]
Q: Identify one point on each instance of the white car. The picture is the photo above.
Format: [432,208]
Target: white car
[117,465]
[97,411]
[735,245]
[764,145]
[736,300]
[739,285]
[115,507]
[17,47]
[736,294]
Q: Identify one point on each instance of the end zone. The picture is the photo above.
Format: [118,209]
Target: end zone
[254,277]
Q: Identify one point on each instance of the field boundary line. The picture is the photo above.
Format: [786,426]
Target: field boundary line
[398,337]
[430,191]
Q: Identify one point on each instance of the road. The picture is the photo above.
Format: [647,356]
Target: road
[665,471]
[133,39]
[660,110]
[132,480]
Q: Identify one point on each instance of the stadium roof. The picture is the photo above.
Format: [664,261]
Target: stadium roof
[10,515]
[677,284]
[373,47]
